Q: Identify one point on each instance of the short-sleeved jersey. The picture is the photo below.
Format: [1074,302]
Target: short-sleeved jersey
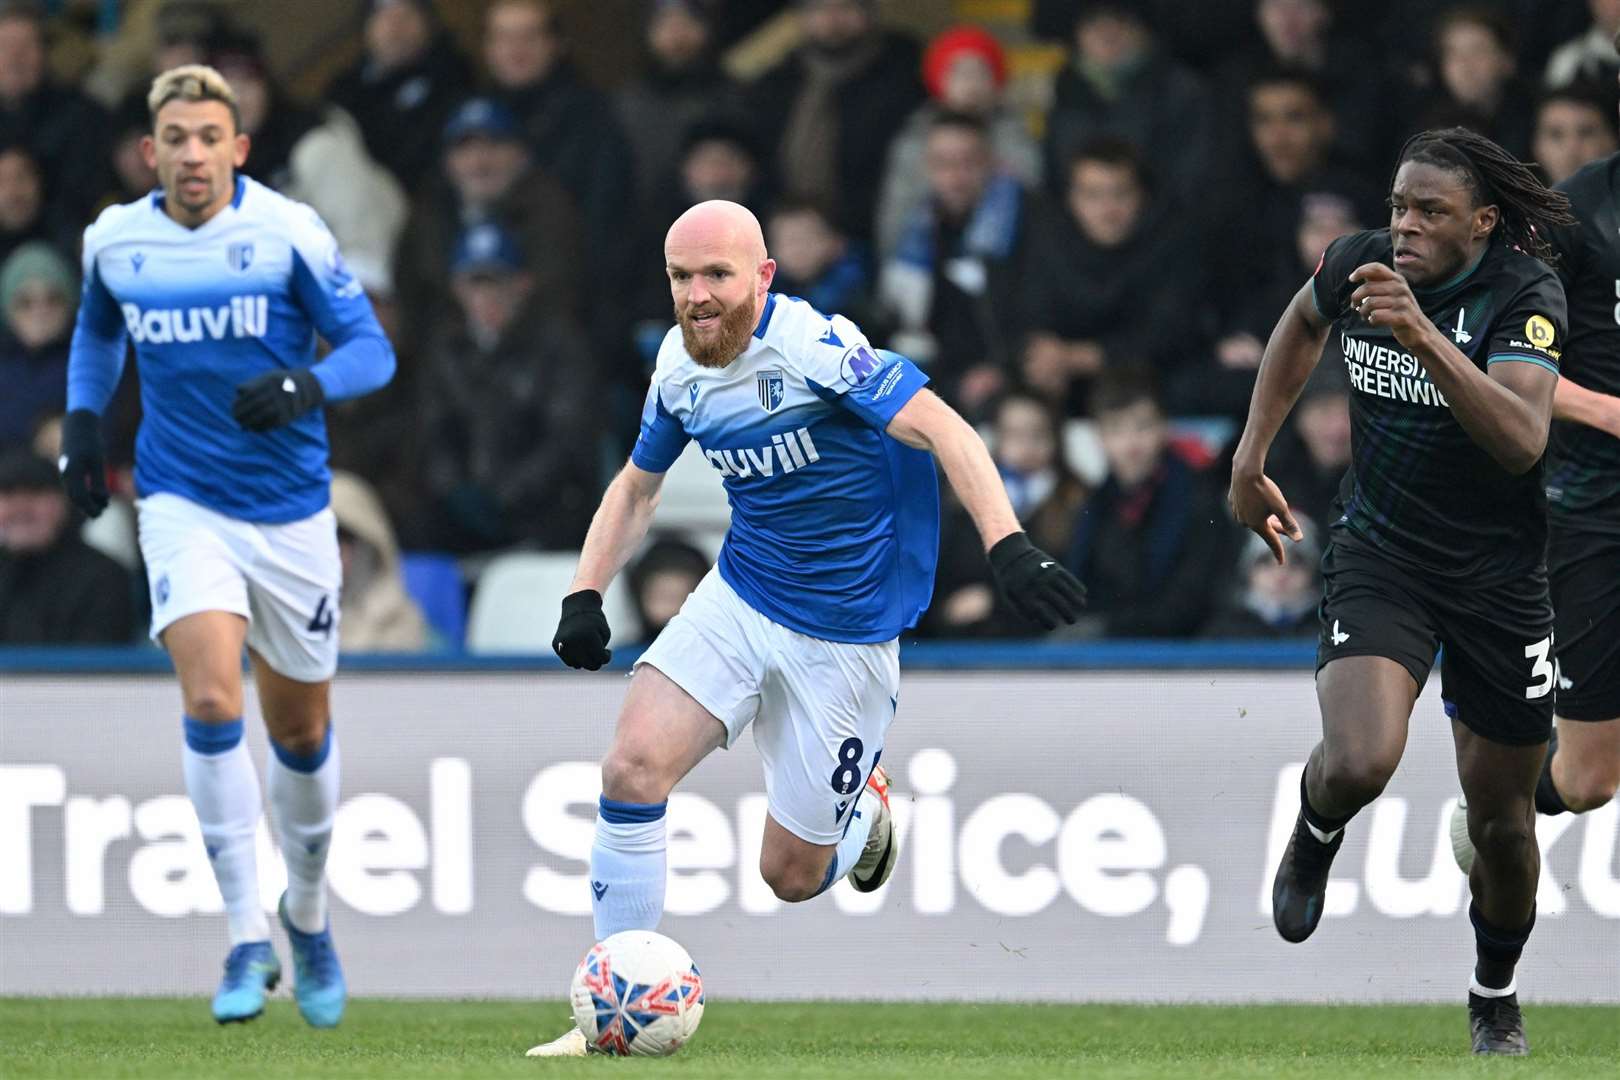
[208,309]
[834,524]
[1419,487]
[1583,463]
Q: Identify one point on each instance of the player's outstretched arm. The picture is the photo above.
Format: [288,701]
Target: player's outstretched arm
[1291,355]
[617,529]
[1039,588]
[1574,402]
[1506,410]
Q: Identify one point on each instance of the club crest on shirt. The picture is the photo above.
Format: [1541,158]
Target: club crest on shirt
[770,389]
[239,256]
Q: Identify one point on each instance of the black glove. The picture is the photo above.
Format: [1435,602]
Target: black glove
[83,464]
[1036,585]
[276,398]
[582,635]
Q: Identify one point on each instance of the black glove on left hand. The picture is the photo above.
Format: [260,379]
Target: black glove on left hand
[83,463]
[1036,585]
[582,635]
[276,398]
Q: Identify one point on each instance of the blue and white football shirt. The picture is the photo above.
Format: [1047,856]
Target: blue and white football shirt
[834,525]
[208,309]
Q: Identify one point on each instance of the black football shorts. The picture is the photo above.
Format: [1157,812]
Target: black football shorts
[1496,670]
[1584,571]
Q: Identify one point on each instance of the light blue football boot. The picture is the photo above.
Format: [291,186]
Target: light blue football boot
[251,972]
[318,984]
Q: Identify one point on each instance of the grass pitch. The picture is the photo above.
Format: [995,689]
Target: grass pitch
[88,1037]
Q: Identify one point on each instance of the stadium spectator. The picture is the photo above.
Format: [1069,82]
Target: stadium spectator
[572,128]
[509,410]
[1198,33]
[1027,444]
[1478,87]
[1152,543]
[1590,58]
[718,159]
[1292,134]
[832,108]
[24,214]
[378,614]
[951,280]
[488,175]
[54,588]
[681,84]
[1574,125]
[1357,86]
[1119,83]
[317,156]
[816,262]
[1108,284]
[403,86]
[1244,322]
[63,129]
[965,70]
[148,41]
[38,293]
[1273,601]
[378,436]
[661,580]
[130,177]
[1313,451]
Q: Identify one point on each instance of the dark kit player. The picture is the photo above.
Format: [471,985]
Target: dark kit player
[1449,325]
[1583,509]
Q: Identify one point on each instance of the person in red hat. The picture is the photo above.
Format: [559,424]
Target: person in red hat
[965,71]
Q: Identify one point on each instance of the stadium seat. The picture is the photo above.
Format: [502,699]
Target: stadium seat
[519,596]
[434,582]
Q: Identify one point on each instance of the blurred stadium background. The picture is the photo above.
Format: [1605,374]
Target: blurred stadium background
[1080,216]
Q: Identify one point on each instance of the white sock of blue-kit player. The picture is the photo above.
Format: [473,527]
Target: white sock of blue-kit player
[303,801]
[627,866]
[848,851]
[224,790]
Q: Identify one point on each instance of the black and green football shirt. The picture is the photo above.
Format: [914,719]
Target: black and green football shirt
[1583,463]
[1419,488]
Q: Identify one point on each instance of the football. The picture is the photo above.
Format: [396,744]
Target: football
[637,993]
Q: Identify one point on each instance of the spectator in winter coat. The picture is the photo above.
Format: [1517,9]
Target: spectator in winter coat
[378,614]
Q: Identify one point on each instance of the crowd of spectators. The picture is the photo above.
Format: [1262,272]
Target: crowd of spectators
[1110,263]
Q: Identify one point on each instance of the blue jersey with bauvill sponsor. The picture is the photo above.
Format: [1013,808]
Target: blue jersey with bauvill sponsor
[834,524]
[208,309]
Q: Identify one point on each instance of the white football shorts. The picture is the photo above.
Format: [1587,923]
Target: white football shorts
[283,579]
[820,709]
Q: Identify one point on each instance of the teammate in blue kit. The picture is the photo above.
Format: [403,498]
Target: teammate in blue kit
[222,284]
[823,444]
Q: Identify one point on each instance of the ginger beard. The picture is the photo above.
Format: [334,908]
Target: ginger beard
[719,341]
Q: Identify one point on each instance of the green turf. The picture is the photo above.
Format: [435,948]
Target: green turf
[84,1037]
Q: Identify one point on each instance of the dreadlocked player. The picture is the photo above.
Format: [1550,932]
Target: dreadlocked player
[1449,324]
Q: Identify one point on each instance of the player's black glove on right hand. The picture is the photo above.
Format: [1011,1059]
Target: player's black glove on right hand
[276,398]
[1036,585]
[582,635]
[83,464]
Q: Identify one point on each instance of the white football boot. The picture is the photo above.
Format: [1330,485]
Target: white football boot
[570,1044]
[882,848]
[1462,848]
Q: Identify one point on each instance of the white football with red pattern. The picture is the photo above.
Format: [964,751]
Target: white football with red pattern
[637,993]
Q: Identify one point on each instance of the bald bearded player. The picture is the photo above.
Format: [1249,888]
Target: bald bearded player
[823,444]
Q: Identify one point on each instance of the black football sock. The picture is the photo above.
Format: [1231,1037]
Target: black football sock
[1497,950]
[1324,825]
